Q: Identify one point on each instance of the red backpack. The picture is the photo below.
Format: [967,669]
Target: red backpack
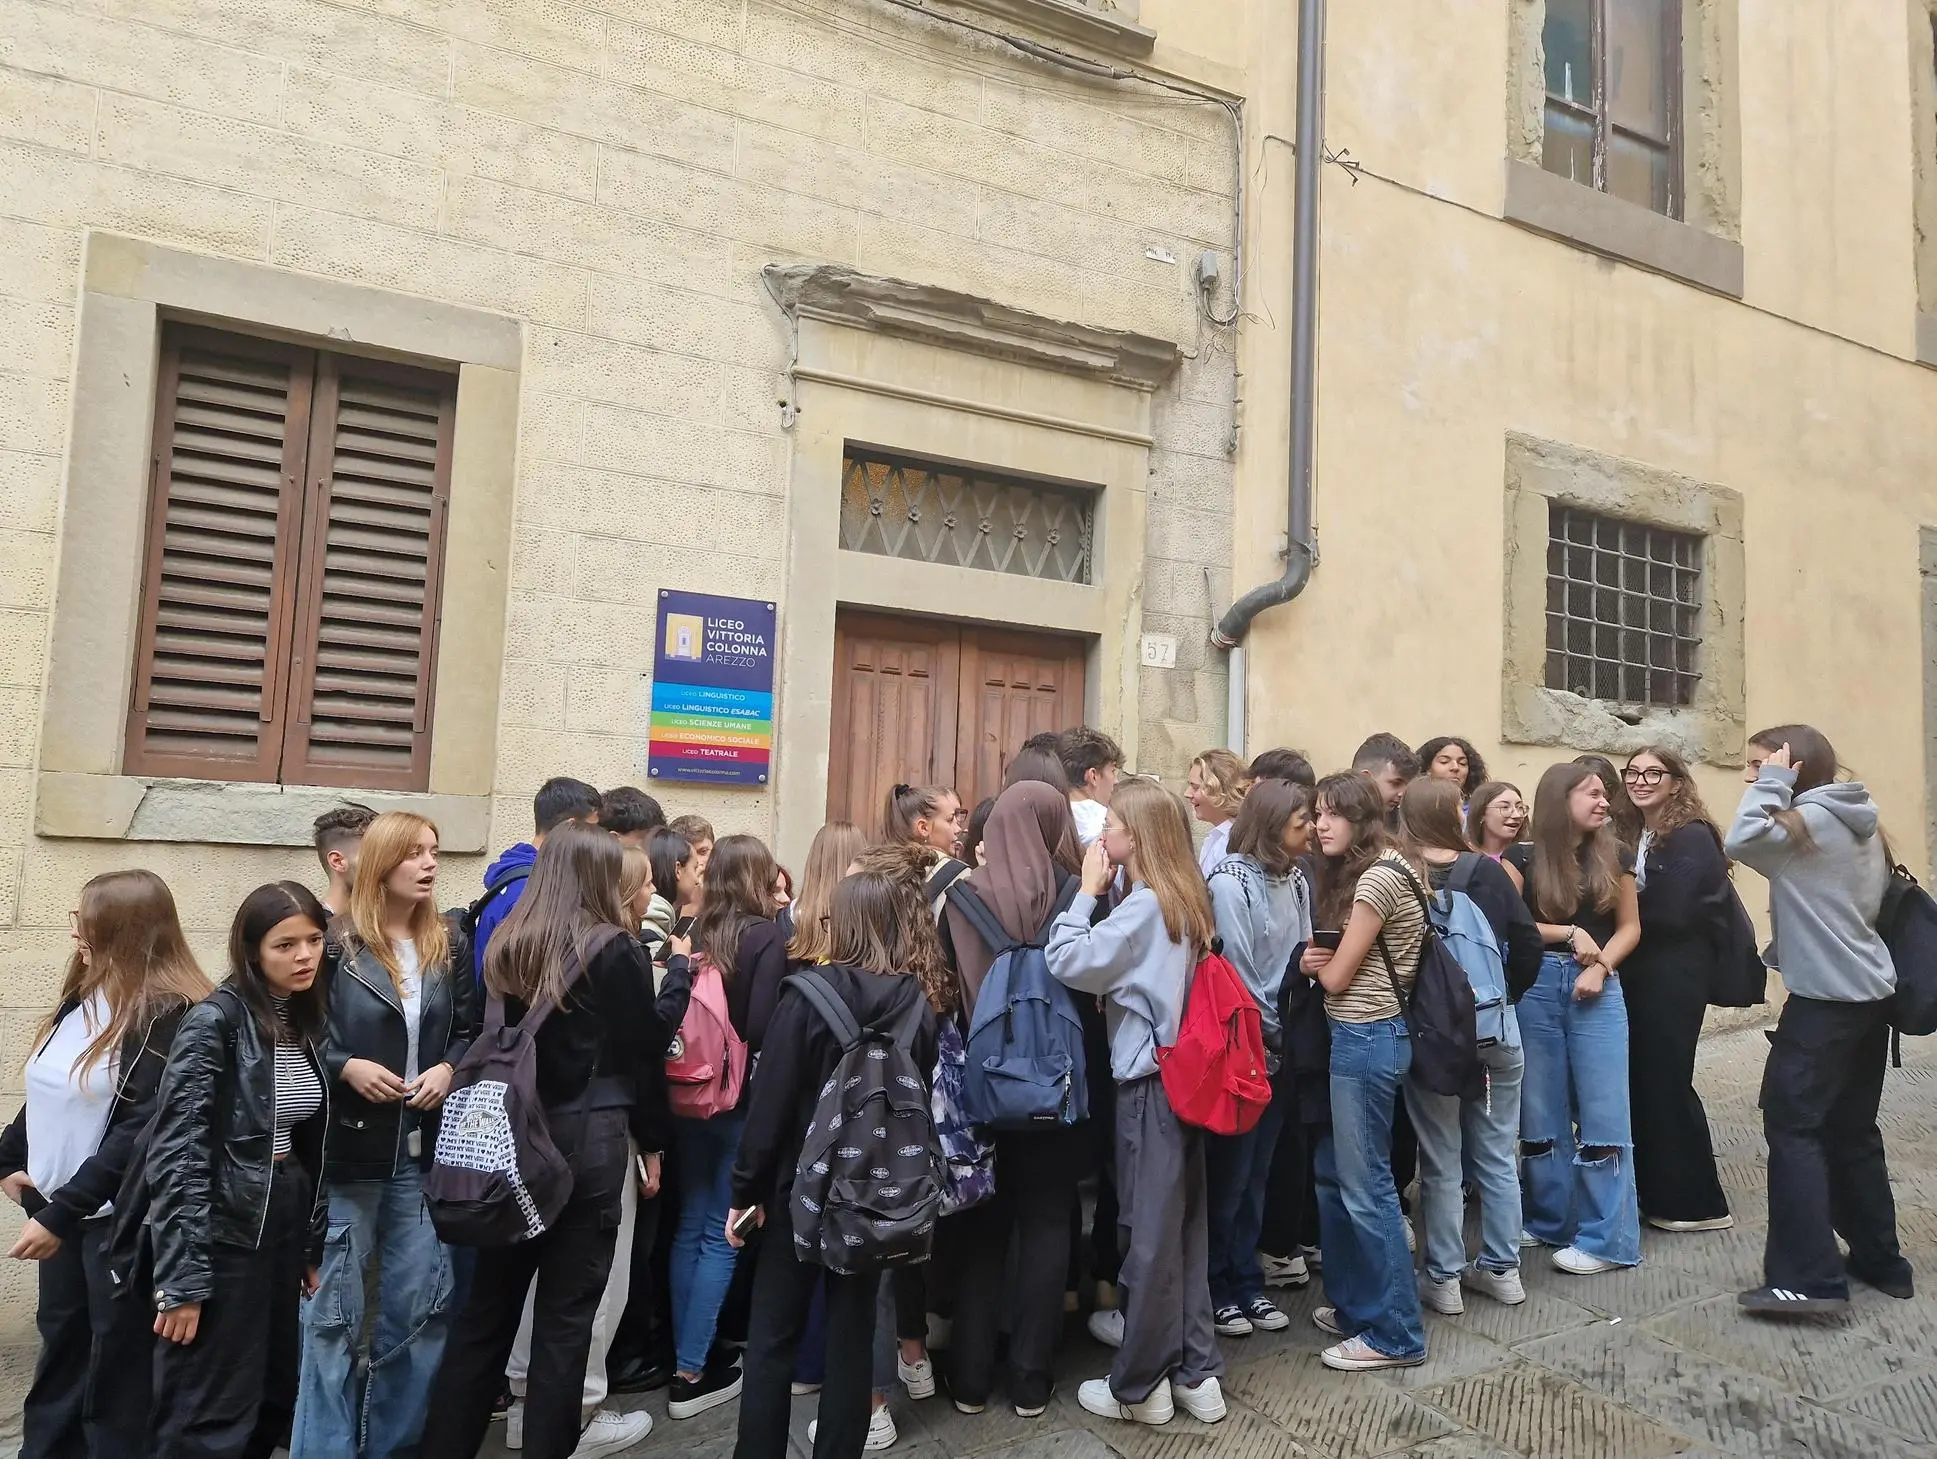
[1215,1074]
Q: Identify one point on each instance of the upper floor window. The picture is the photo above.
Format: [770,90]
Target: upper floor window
[1613,74]
[289,608]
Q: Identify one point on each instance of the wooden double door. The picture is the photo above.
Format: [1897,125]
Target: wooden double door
[921,701]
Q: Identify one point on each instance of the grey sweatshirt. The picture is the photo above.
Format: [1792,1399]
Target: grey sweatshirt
[1129,961]
[1823,899]
[1261,920]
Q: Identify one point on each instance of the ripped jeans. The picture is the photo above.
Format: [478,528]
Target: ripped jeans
[346,1405]
[1577,1194]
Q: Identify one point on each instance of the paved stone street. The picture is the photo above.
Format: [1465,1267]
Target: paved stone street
[1631,1365]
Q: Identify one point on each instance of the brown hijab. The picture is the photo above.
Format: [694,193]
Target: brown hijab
[1030,842]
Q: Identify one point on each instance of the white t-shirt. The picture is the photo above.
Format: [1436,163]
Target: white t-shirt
[1215,847]
[68,1108]
[410,992]
[1090,815]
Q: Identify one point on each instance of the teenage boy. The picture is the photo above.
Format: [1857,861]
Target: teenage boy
[339,836]
[631,815]
[1389,763]
[1091,759]
[559,799]
[698,832]
[1282,764]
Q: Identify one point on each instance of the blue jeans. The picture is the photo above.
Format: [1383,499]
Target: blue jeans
[1577,1075]
[1483,1136]
[1237,1170]
[702,1262]
[342,1408]
[1368,1268]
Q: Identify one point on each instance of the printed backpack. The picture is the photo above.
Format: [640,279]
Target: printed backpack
[1439,1015]
[706,1064]
[498,1177]
[1024,1068]
[1467,934]
[968,1157]
[1215,1075]
[868,1188]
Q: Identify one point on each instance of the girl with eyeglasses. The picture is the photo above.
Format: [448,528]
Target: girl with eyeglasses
[1682,881]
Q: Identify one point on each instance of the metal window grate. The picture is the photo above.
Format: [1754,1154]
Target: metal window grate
[928,512]
[1624,603]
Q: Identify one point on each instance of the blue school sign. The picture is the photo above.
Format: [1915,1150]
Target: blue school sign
[712,690]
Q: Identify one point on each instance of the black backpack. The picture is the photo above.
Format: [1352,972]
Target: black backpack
[510,876]
[499,1177]
[1907,923]
[868,1188]
[1440,1015]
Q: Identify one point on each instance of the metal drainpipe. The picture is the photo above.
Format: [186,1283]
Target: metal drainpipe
[1300,555]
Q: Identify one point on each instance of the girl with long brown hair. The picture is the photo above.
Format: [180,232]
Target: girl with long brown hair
[401,1014]
[1370,921]
[91,1084]
[1687,908]
[1139,960]
[739,947]
[563,953]
[1577,1141]
[1819,842]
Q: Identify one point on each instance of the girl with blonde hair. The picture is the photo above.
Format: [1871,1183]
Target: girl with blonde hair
[401,1014]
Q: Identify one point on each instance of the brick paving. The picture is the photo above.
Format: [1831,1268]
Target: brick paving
[1629,1365]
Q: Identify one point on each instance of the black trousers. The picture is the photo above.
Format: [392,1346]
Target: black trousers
[1674,1160]
[645,1331]
[1035,1181]
[230,1394]
[1106,1253]
[783,1290]
[1827,1175]
[90,1393]
[1291,1191]
[571,1262]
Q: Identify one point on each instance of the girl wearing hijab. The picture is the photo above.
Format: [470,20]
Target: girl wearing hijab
[1032,862]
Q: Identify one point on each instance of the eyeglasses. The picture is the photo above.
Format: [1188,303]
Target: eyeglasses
[1650,777]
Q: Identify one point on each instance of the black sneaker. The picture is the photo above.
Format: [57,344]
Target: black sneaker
[501,1404]
[1786,1302]
[1265,1316]
[714,1387]
[1893,1280]
[641,1375]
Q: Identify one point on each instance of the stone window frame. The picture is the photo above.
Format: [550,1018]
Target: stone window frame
[1538,473]
[129,288]
[1105,25]
[1704,246]
[1923,122]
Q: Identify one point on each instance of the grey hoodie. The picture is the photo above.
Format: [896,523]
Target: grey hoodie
[1129,961]
[1261,920]
[1823,899]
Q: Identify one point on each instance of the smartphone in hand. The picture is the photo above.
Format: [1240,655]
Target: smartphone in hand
[1328,940]
[749,1218]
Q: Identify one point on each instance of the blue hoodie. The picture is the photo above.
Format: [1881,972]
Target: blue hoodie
[495,910]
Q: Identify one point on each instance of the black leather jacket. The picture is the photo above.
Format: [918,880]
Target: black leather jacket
[371,1141]
[212,1154]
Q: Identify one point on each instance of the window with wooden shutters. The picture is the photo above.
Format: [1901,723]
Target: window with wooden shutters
[296,533]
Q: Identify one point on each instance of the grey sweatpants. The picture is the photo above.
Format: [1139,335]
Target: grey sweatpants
[1166,1292]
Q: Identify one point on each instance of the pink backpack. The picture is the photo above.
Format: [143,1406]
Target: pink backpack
[707,1063]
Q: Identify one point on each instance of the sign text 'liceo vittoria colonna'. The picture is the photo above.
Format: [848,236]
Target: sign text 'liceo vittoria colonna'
[712,690]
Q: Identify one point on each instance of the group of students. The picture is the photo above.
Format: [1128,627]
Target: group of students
[215,1179]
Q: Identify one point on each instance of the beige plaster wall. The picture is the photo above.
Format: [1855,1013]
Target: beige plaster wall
[1445,328]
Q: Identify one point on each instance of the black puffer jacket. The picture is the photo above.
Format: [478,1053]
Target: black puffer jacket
[371,1141]
[212,1153]
[144,1052]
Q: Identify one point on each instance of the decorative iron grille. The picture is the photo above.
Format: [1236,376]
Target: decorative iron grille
[1624,603]
[927,512]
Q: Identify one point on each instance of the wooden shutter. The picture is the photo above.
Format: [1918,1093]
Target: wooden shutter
[223,532]
[1014,685]
[366,634]
[895,687]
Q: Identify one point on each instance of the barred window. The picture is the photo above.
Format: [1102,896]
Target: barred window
[1623,609]
[898,506]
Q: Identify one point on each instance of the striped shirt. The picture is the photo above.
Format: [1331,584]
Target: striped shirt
[299,1084]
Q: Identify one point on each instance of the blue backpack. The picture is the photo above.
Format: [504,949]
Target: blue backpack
[1466,933]
[1023,1068]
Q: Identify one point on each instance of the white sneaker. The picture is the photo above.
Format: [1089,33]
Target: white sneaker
[514,1424]
[1502,1287]
[1443,1296]
[1107,1328]
[1573,1259]
[1095,1396]
[802,1390]
[1314,1257]
[1713,1223]
[881,1430]
[1325,1319]
[1284,1271]
[1528,1239]
[609,1432]
[917,1377]
[1205,1402]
